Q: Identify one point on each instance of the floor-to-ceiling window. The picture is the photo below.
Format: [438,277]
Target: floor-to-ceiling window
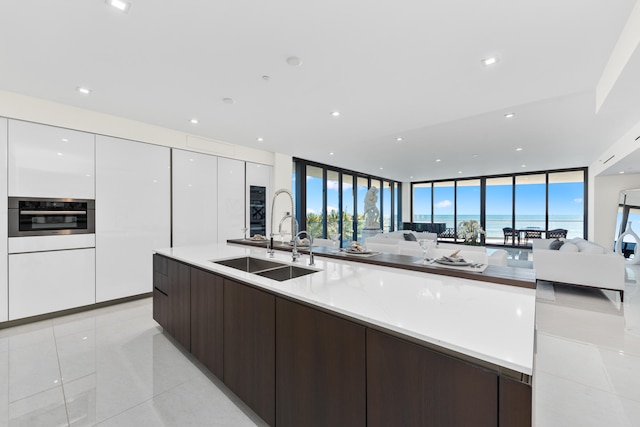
[348,208]
[361,191]
[330,200]
[315,200]
[333,204]
[530,204]
[566,202]
[387,207]
[468,201]
[513,209]
[422,202]
[498,208]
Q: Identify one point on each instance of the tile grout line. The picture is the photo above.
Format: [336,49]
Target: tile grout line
[64,395]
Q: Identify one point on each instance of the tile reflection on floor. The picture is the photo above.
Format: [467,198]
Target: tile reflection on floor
[114,367]
[587,363]
[110,367]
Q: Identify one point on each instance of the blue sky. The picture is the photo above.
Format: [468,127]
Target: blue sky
[564,199]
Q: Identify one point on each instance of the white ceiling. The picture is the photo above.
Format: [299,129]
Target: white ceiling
[392,68]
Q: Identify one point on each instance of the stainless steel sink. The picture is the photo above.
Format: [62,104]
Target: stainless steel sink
[265,268]
[285,273]
[250,265]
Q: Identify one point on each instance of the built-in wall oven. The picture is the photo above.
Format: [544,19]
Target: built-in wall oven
[29,216]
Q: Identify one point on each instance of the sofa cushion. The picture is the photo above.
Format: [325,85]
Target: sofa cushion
[590,248]
[555,245]
[569,247]
[410,237]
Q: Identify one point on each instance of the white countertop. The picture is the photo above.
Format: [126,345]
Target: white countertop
[490,322]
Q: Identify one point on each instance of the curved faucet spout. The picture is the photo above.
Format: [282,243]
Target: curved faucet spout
[291,212]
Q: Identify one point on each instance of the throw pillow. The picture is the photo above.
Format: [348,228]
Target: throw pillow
[555,245]
[569,247]
[409,237]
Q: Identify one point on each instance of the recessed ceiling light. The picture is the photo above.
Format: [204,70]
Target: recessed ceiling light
[83,90]
[524,166]
[331,153]
[335,113]
[509,115]
[260,139]
[65,140]
[294,61]
[519,149]
[489,61]
[399,139]
[475,155]
[621,171]
[459,171]
[121,5]
[59,154]
[193,121]
[228,100]
[381,169]
[437,160]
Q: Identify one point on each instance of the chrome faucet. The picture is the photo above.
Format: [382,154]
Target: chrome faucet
[294,234]
[273,203]
[310,237]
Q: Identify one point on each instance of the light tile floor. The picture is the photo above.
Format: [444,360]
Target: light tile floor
[114,367]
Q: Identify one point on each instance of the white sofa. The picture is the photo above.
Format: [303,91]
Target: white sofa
[579,262]
[395,242]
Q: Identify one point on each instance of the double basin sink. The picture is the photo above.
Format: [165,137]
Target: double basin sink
[266,268]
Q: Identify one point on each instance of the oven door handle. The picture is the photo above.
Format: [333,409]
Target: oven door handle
[53,212]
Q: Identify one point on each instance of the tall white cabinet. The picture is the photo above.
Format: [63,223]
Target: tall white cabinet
[132,215]
[48,161]
[194,198]
[231,199]
[4,287]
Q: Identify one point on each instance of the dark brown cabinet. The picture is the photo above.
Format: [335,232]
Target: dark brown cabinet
[249,347]
[320,365]
[172,297]
[410,385]
[296,365]
[515,403]
[207,320]
[160,291]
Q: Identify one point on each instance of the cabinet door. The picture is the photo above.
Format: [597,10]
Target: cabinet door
[179,302]
[320,362]
[515,403]
[48,161]
[249,347]
[4,289]
[231,199]
[45,282]
[409,385]
[195,198]
[132,215]
[160,291]
[206,320]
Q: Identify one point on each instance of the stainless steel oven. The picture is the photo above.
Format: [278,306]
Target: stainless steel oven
[29,216]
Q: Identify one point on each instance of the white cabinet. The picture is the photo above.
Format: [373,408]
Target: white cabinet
[195,198]
[258,198]
[47,161]
[44,282]
[231,199]
[4,289]
[132,215]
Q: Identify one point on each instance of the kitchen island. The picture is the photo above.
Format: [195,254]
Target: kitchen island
[352,343]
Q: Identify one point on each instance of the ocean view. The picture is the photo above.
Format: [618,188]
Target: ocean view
[495,223]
